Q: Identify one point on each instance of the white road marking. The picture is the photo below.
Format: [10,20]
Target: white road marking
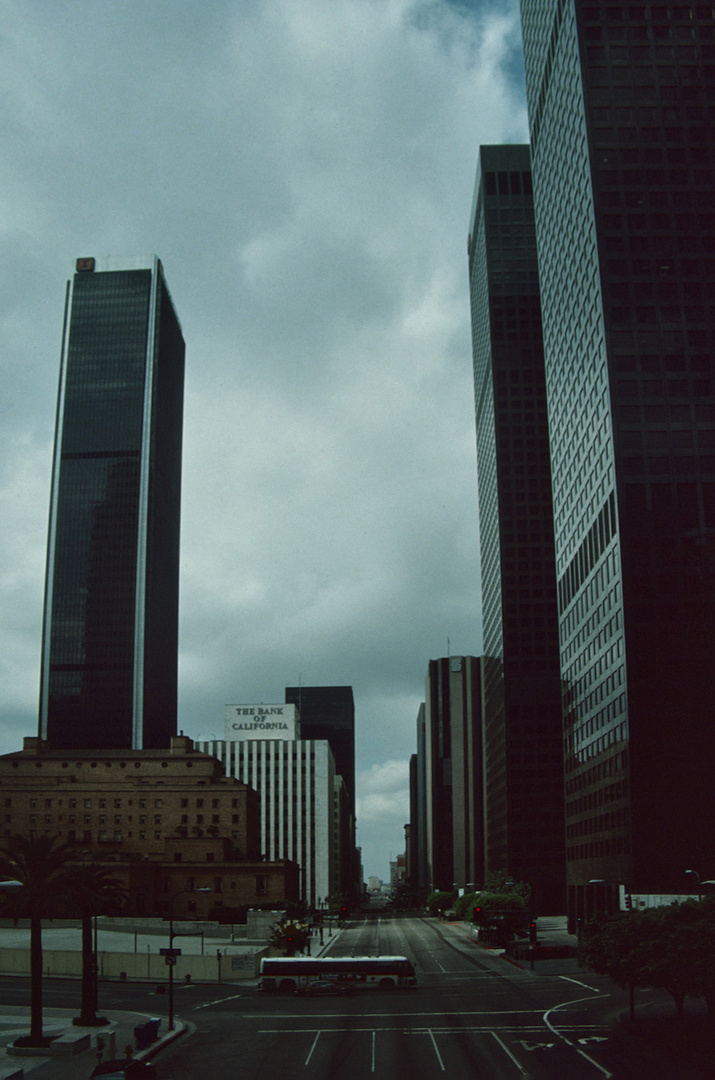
[315,1043]
[506,1050]
[436,1050]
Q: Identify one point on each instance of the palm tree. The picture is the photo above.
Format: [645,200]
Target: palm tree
[92,892]
[39,865]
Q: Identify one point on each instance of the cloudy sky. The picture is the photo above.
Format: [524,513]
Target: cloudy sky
[304,169]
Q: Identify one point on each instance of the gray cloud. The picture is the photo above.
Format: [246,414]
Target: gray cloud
[304,170]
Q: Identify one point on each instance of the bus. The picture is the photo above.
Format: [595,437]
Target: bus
[287,973]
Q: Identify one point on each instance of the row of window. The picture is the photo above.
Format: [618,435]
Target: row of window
[102,804]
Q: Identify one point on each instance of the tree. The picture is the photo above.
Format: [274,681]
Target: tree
[289,935]
[92,891]
[39,864]
[499,881]
[502,913]
[439,901]
[670,948]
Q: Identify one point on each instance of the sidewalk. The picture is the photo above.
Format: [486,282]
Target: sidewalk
[15,1021]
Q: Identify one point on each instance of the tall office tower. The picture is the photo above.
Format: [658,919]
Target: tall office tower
[110,635]
[620,102]
[418,806]
[328,712]
[453,772]
[524,802]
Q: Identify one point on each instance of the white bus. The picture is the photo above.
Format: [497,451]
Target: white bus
[288,973]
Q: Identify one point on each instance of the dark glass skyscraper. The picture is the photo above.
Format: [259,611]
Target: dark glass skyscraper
[620,100]
[523,759]
[328,712]
[110,636]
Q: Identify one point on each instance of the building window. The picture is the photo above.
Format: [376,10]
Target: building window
[218,884]
[157,803]
[261,884]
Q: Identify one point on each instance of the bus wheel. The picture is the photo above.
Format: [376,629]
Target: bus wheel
[386,984]
[287,986]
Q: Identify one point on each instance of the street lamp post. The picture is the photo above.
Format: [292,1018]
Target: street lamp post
[696,875]
[171,958]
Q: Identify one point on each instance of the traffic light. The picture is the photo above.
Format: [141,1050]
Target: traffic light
[532,933]
[629,901]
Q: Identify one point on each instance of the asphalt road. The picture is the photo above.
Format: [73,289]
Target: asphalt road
[473,1015]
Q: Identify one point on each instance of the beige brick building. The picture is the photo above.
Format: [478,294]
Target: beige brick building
[166,822]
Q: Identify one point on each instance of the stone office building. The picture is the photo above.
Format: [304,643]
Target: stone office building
[164,821]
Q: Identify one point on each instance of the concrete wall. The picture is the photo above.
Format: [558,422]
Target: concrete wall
[149,966]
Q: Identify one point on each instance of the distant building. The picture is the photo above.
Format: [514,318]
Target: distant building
[110,637]
[453,772]
[620,101]
[523,752]
[162,820]
[328,712]
[301,797]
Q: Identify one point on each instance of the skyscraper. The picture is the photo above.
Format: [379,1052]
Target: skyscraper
[454,820]
[620,101]
[110,634]
[523,758]
[328,712]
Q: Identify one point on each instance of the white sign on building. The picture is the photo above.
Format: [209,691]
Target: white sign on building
[261,722]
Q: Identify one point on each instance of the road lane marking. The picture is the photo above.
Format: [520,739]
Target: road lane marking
[373,1052]
[560,1035]
[506,1050]
[566,978]
[436,1050]
[315,1042]
[218,1001]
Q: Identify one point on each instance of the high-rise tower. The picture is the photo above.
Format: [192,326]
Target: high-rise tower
[523,758]
[454,820]
[620,102]
[110,636]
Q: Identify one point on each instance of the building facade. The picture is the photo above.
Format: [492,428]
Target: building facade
[295,782]
[523,759]
[110,635]
[623,162]
[328,712]
[161,820]
[454,818]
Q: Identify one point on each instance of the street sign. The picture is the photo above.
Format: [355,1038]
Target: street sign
[169,952]
[170,959]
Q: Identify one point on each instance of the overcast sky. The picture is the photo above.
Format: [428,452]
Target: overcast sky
[304,170]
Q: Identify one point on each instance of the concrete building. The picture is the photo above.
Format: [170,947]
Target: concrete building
[623,164]
[300,796]
[161,820]
[110,637]
[523,754]
[454,815]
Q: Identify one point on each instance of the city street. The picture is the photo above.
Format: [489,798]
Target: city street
[473,1014]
